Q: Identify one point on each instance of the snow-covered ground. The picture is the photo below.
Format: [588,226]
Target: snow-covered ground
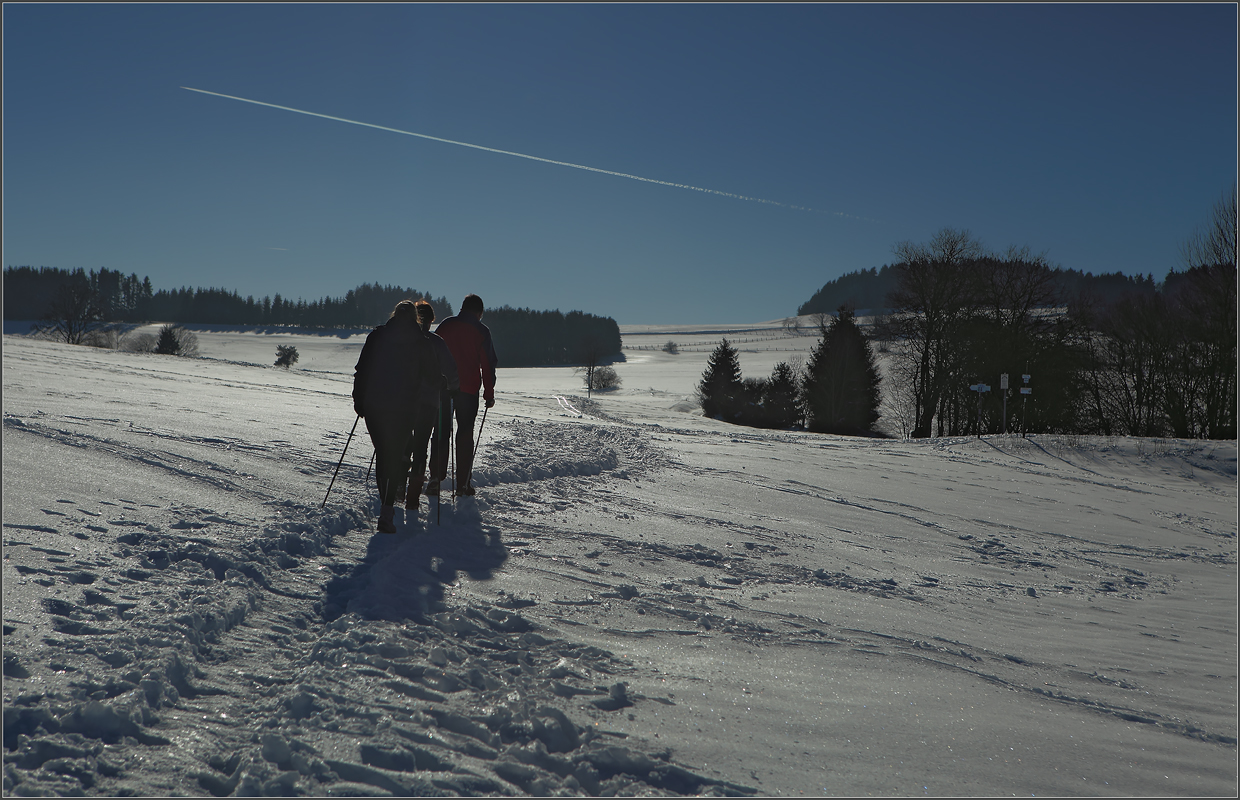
[638,601]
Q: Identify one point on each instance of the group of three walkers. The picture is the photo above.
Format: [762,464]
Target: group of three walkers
[409,385]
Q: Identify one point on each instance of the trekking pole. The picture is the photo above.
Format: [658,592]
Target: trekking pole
[372,463]
[341,461]
[478,446]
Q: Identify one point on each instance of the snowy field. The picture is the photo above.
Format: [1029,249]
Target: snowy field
[638,601]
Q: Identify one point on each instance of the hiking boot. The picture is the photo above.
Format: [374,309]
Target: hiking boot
[432,489]
[387,516]
[466,491]
[412,498]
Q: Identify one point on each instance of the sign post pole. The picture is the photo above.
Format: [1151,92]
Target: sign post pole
[1003,384]
[979,388]
[1025,391]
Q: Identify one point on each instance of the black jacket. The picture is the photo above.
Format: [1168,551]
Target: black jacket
[395,360]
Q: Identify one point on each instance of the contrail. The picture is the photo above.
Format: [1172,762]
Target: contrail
[531,158]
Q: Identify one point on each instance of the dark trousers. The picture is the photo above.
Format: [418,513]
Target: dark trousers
[390,432]
[423,424]
[465,408]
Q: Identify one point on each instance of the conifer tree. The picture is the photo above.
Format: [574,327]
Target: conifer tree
[721,389]
[780,398]
[286,355]
[168,344]
[841,387]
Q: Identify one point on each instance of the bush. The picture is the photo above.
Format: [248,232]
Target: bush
[137,343]
[286,355]
[671,348]
[602,379]
[768,402]
[108,338]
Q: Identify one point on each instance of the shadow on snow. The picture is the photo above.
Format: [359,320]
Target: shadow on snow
[403,575]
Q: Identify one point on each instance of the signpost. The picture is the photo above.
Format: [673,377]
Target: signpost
[1003,384]
[979,388]
[1025,391]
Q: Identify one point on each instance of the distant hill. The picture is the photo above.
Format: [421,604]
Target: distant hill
[864,289]
[868,288]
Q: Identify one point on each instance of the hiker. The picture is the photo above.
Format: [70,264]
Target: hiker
[430,403]
[386,383]
[471,346]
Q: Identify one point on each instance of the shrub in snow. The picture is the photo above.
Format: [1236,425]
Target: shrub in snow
[137,343]
[286,355]
[671,348]
[602,379]
[108,337]
[769,403]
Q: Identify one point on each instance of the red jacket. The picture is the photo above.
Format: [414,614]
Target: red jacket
[474,353]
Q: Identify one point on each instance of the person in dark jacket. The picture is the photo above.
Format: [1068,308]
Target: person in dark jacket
[395,360]
[429,399]
[474,353]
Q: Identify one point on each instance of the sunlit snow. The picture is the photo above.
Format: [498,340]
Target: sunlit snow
[639,599]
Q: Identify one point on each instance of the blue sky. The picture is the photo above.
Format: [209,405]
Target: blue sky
[1098,134]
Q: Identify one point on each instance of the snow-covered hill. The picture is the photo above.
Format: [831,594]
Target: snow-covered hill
[638,601]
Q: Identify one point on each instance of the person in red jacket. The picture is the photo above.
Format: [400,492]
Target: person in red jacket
[474,354]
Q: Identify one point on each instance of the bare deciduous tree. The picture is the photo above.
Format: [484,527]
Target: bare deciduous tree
[590,353]
[935,294]
[73,313]
[1216,242]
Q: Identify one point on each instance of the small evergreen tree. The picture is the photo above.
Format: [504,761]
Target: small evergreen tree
[286,355]
[176,341]
[841,386]
[720,390]
[750,409]
[780,399]
[168,344]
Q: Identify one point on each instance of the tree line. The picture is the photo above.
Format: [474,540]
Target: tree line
[871,288]
[527,338]
[1108,356]
[1144,363]
[81,307]
[105,296]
